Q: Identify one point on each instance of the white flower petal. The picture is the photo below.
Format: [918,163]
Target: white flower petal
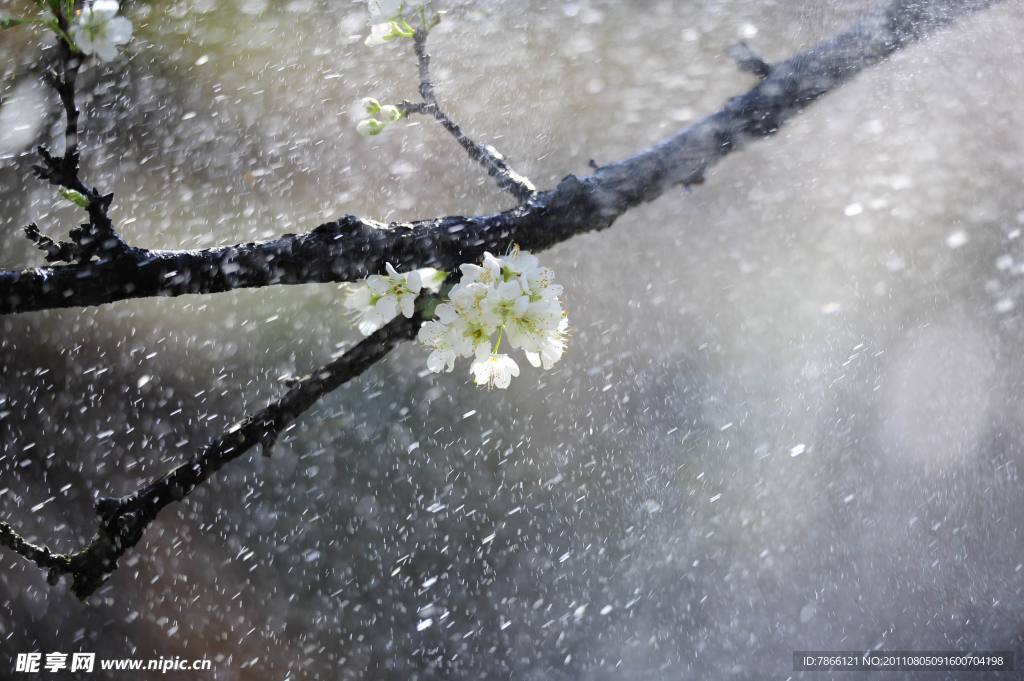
[470,272]
[107,8]
[445,313]
[379,34]
[494,371]
[358,298]
[378,284]
[386,308]
[119,30]
[432,279]
[83,40]
[414,282]
[408,305]
[441,360]
[106,51]
[366,327]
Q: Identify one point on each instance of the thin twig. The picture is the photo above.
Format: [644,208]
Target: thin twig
[487,156]
[40,555]
[749,61]
[56,251]
[97,238]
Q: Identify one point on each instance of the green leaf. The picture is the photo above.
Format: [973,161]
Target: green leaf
[77,198]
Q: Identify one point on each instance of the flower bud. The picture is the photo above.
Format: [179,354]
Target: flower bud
[370,105]
[368,127]
[390,113]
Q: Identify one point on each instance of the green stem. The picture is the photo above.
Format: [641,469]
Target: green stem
[497,343]
[11,22]
[66,38]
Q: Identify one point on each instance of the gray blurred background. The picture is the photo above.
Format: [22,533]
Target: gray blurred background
[787,418]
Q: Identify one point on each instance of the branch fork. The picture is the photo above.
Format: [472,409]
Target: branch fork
[122,521]
[487,156]
[747,60]
[96,238]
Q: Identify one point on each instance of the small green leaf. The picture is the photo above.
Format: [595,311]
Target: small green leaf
[77,198]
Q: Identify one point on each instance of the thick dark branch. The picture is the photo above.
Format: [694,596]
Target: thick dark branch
[352,247]
[487,156]
[123,520]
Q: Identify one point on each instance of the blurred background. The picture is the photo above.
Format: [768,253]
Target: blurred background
[787,418]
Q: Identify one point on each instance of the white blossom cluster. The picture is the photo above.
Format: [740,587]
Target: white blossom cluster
[507,298]
[381,297]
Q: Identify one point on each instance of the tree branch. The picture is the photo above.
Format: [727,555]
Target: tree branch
[97,238]
[353,247]
[749,61]
[123,520]
[487,156]
[40,555]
